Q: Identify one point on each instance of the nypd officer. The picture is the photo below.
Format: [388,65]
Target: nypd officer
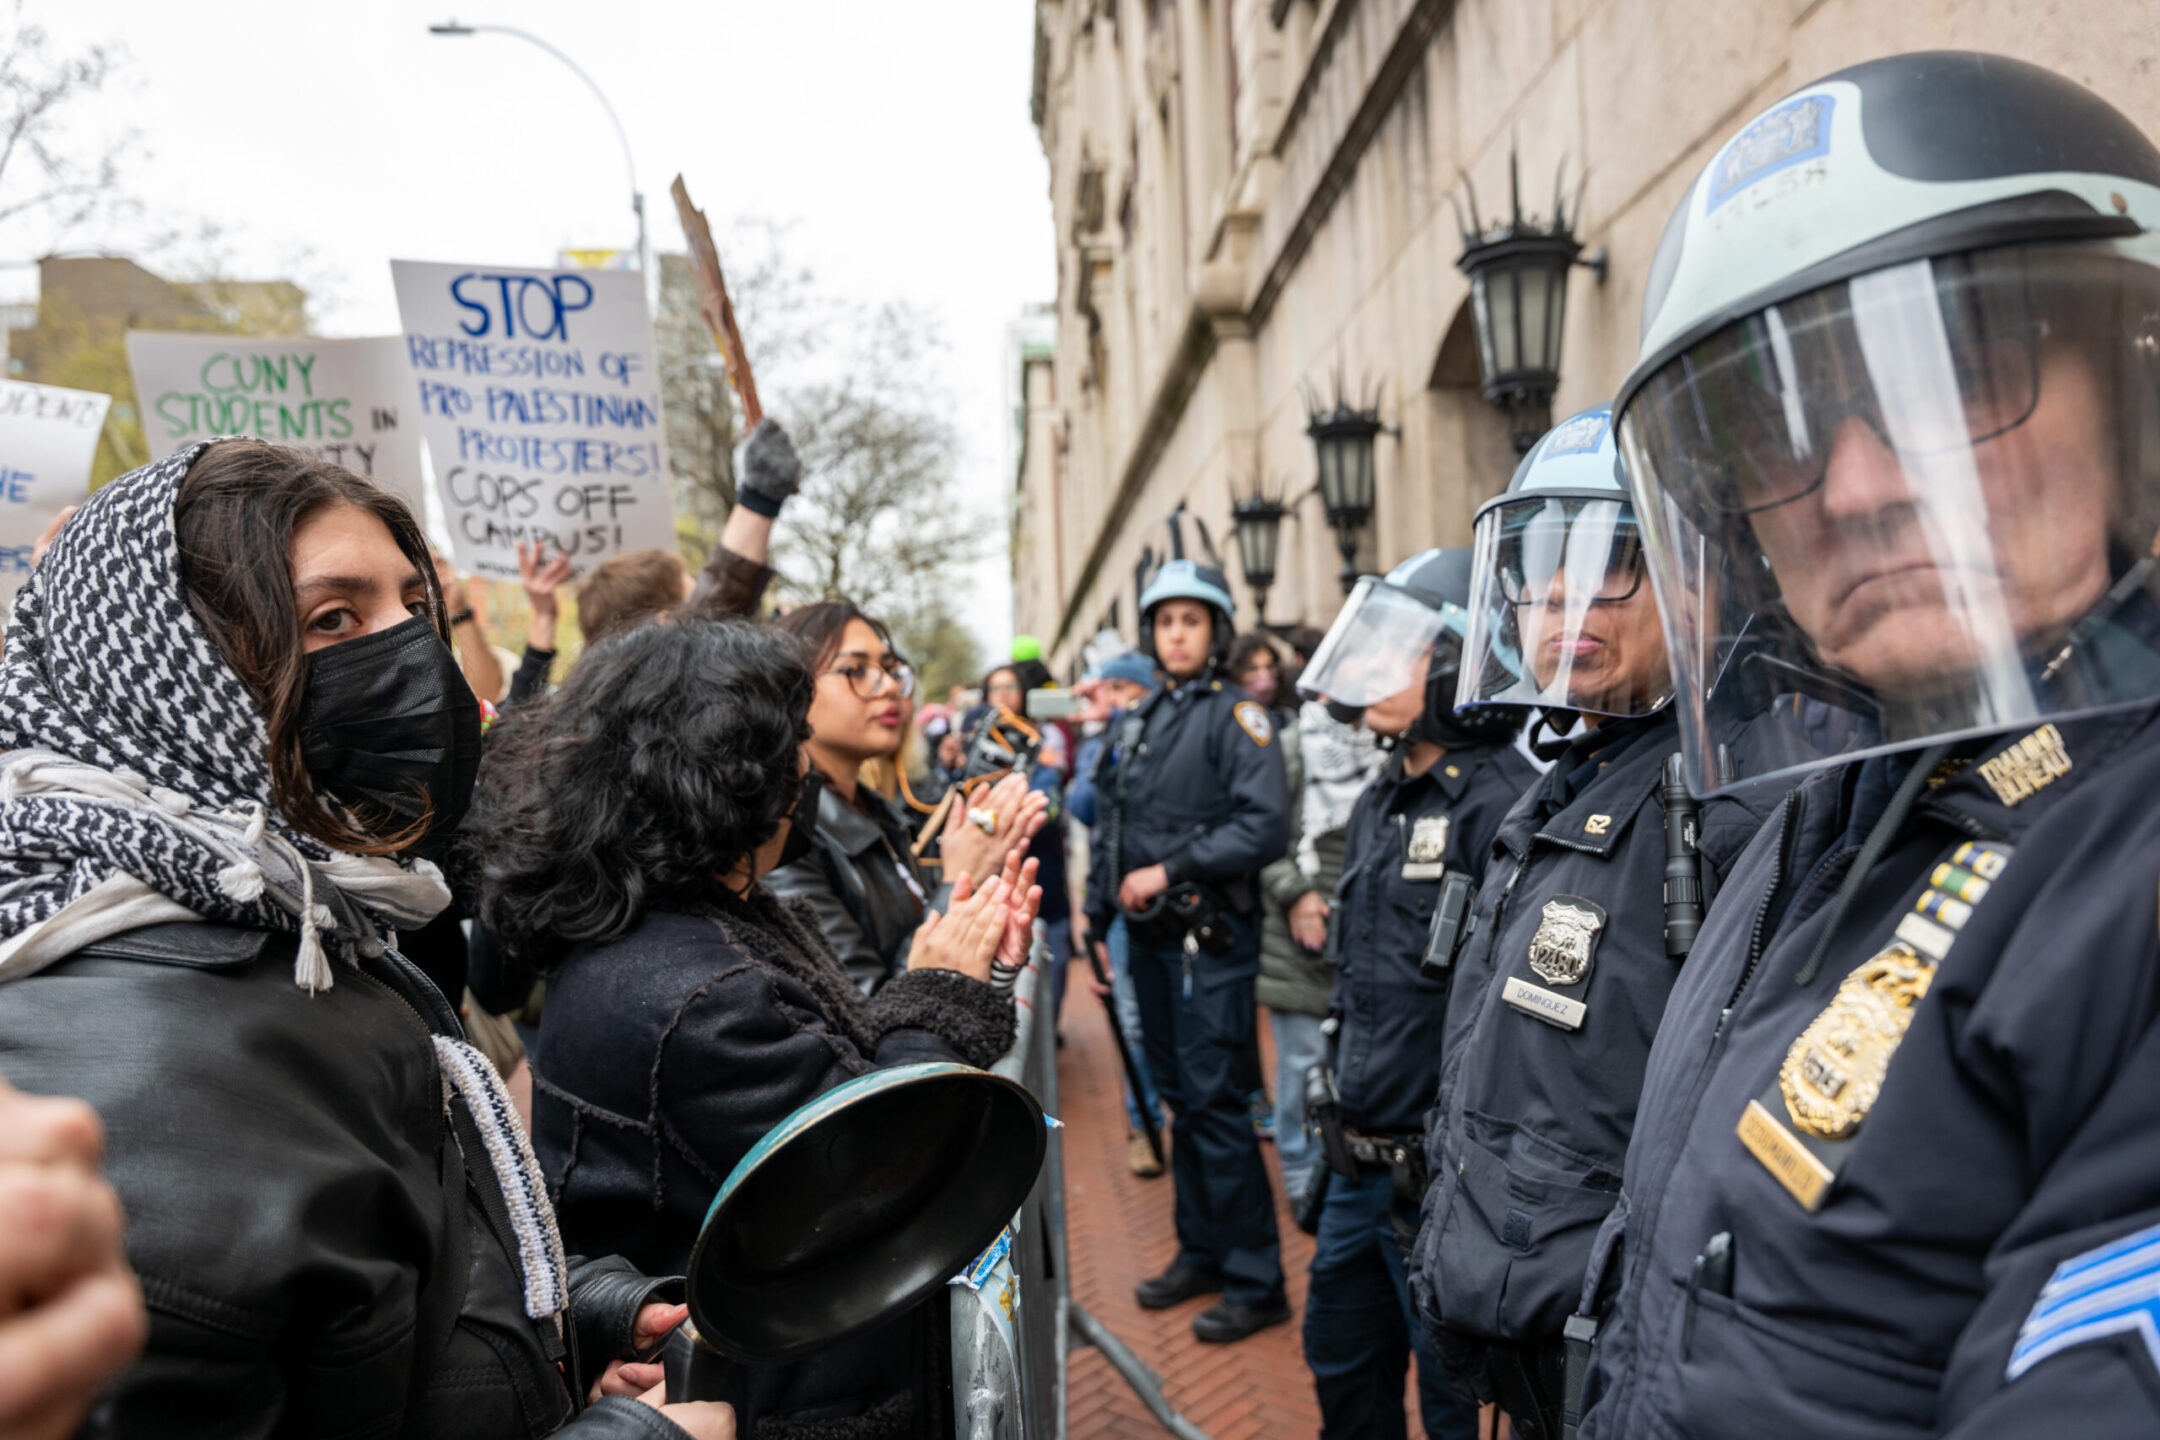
[1897,1165]
[1420,830]
[1196,805]
[1560,987]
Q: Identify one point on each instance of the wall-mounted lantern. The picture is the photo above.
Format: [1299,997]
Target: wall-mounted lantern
[1518,301]
[1259,518]
[1343,441]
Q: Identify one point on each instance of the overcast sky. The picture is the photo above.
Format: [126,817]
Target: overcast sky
[894,137]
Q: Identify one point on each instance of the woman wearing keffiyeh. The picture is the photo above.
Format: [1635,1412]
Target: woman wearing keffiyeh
[230,729]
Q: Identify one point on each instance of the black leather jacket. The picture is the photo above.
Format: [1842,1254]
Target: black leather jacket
[862,880]
[314,1244]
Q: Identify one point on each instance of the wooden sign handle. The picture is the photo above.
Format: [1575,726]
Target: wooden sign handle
[713,301]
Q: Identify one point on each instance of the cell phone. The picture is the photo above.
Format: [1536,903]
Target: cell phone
[1052,704]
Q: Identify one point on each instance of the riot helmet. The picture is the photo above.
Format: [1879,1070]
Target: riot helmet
[1560,615]
[1189,580]
[1400,630]
[1894,433]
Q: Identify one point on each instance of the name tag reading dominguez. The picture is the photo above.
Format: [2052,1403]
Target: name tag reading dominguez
[1544,1004]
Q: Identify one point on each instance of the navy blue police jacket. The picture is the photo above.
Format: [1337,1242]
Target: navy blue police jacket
[1406,832]
[1194,783]
[1531,1129]
[1984,1260]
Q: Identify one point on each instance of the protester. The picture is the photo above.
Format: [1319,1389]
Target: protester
[71,1312]
[1293,987]
[1194,809]
[631,818]
[476,655]
[1256,668]
[1118,686]
[541,578]
[231,724]
[1008,688]
[861,878]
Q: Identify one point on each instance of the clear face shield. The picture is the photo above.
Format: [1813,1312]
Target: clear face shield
[1380,645]
[1913,506]
[1560,616]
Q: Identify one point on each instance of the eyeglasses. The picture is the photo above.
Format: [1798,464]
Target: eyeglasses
[1599,557]
[1934,357]
[867,680]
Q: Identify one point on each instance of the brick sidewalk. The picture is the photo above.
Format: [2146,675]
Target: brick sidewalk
[1119,1232]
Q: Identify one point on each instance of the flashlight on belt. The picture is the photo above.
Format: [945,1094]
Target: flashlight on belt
[1683,862]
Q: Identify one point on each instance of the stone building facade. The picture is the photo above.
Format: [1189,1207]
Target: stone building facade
[1256,206]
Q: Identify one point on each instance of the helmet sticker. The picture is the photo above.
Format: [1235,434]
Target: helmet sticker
[1579,436]
[1780,138]
[1252,718]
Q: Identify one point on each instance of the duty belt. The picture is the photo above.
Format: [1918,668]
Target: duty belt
[1385,1150]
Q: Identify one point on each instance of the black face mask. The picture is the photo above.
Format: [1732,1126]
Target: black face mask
[389,727]
[803,825]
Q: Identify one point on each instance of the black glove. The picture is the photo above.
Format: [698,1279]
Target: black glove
[770,471]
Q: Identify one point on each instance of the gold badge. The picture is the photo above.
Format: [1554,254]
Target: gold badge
[1253,719]
[1834,1071]
[1597,824]
[1565,945]
[2032,764]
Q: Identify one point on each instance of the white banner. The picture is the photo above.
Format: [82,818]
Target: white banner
[348,401]
[48,439]
[540,402]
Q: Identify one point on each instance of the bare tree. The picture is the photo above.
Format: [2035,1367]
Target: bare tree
[44,97]
[877,519]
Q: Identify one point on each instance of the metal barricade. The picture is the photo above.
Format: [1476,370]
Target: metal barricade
[1010,1336]
[1008,1359]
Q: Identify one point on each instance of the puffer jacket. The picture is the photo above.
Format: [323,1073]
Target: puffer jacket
[666,1054]
[321,1238]
[1293,979]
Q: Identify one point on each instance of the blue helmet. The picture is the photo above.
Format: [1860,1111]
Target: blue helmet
[1557,554]
[1189,580]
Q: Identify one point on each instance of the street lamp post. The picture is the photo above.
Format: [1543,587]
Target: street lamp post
[637,196]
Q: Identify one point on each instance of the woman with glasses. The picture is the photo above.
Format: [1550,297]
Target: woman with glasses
[1558,990]
[861,877]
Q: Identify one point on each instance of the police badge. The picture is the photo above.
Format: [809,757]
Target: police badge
[1565,945]
[1561,953]
[1422,851]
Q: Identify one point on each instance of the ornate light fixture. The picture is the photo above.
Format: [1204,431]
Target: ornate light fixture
[1258,518]
[1343,440]
[1518,302]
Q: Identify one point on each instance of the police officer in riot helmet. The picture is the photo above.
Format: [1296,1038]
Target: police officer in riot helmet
[1196,805]
[1897,417]
[1559,987]
[1420,832]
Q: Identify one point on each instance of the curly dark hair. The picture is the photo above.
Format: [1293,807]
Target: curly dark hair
[669,754]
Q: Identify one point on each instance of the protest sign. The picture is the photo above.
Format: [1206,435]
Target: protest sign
[48,437]
[540,403]
[348,401]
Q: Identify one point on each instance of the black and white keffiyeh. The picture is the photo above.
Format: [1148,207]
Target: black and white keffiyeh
[134,782]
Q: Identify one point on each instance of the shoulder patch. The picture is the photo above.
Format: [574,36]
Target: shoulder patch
[2114,1290]
[1252,718]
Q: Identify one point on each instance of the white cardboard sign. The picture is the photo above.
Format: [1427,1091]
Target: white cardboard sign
[48,440]
[540,402]
[348,401]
